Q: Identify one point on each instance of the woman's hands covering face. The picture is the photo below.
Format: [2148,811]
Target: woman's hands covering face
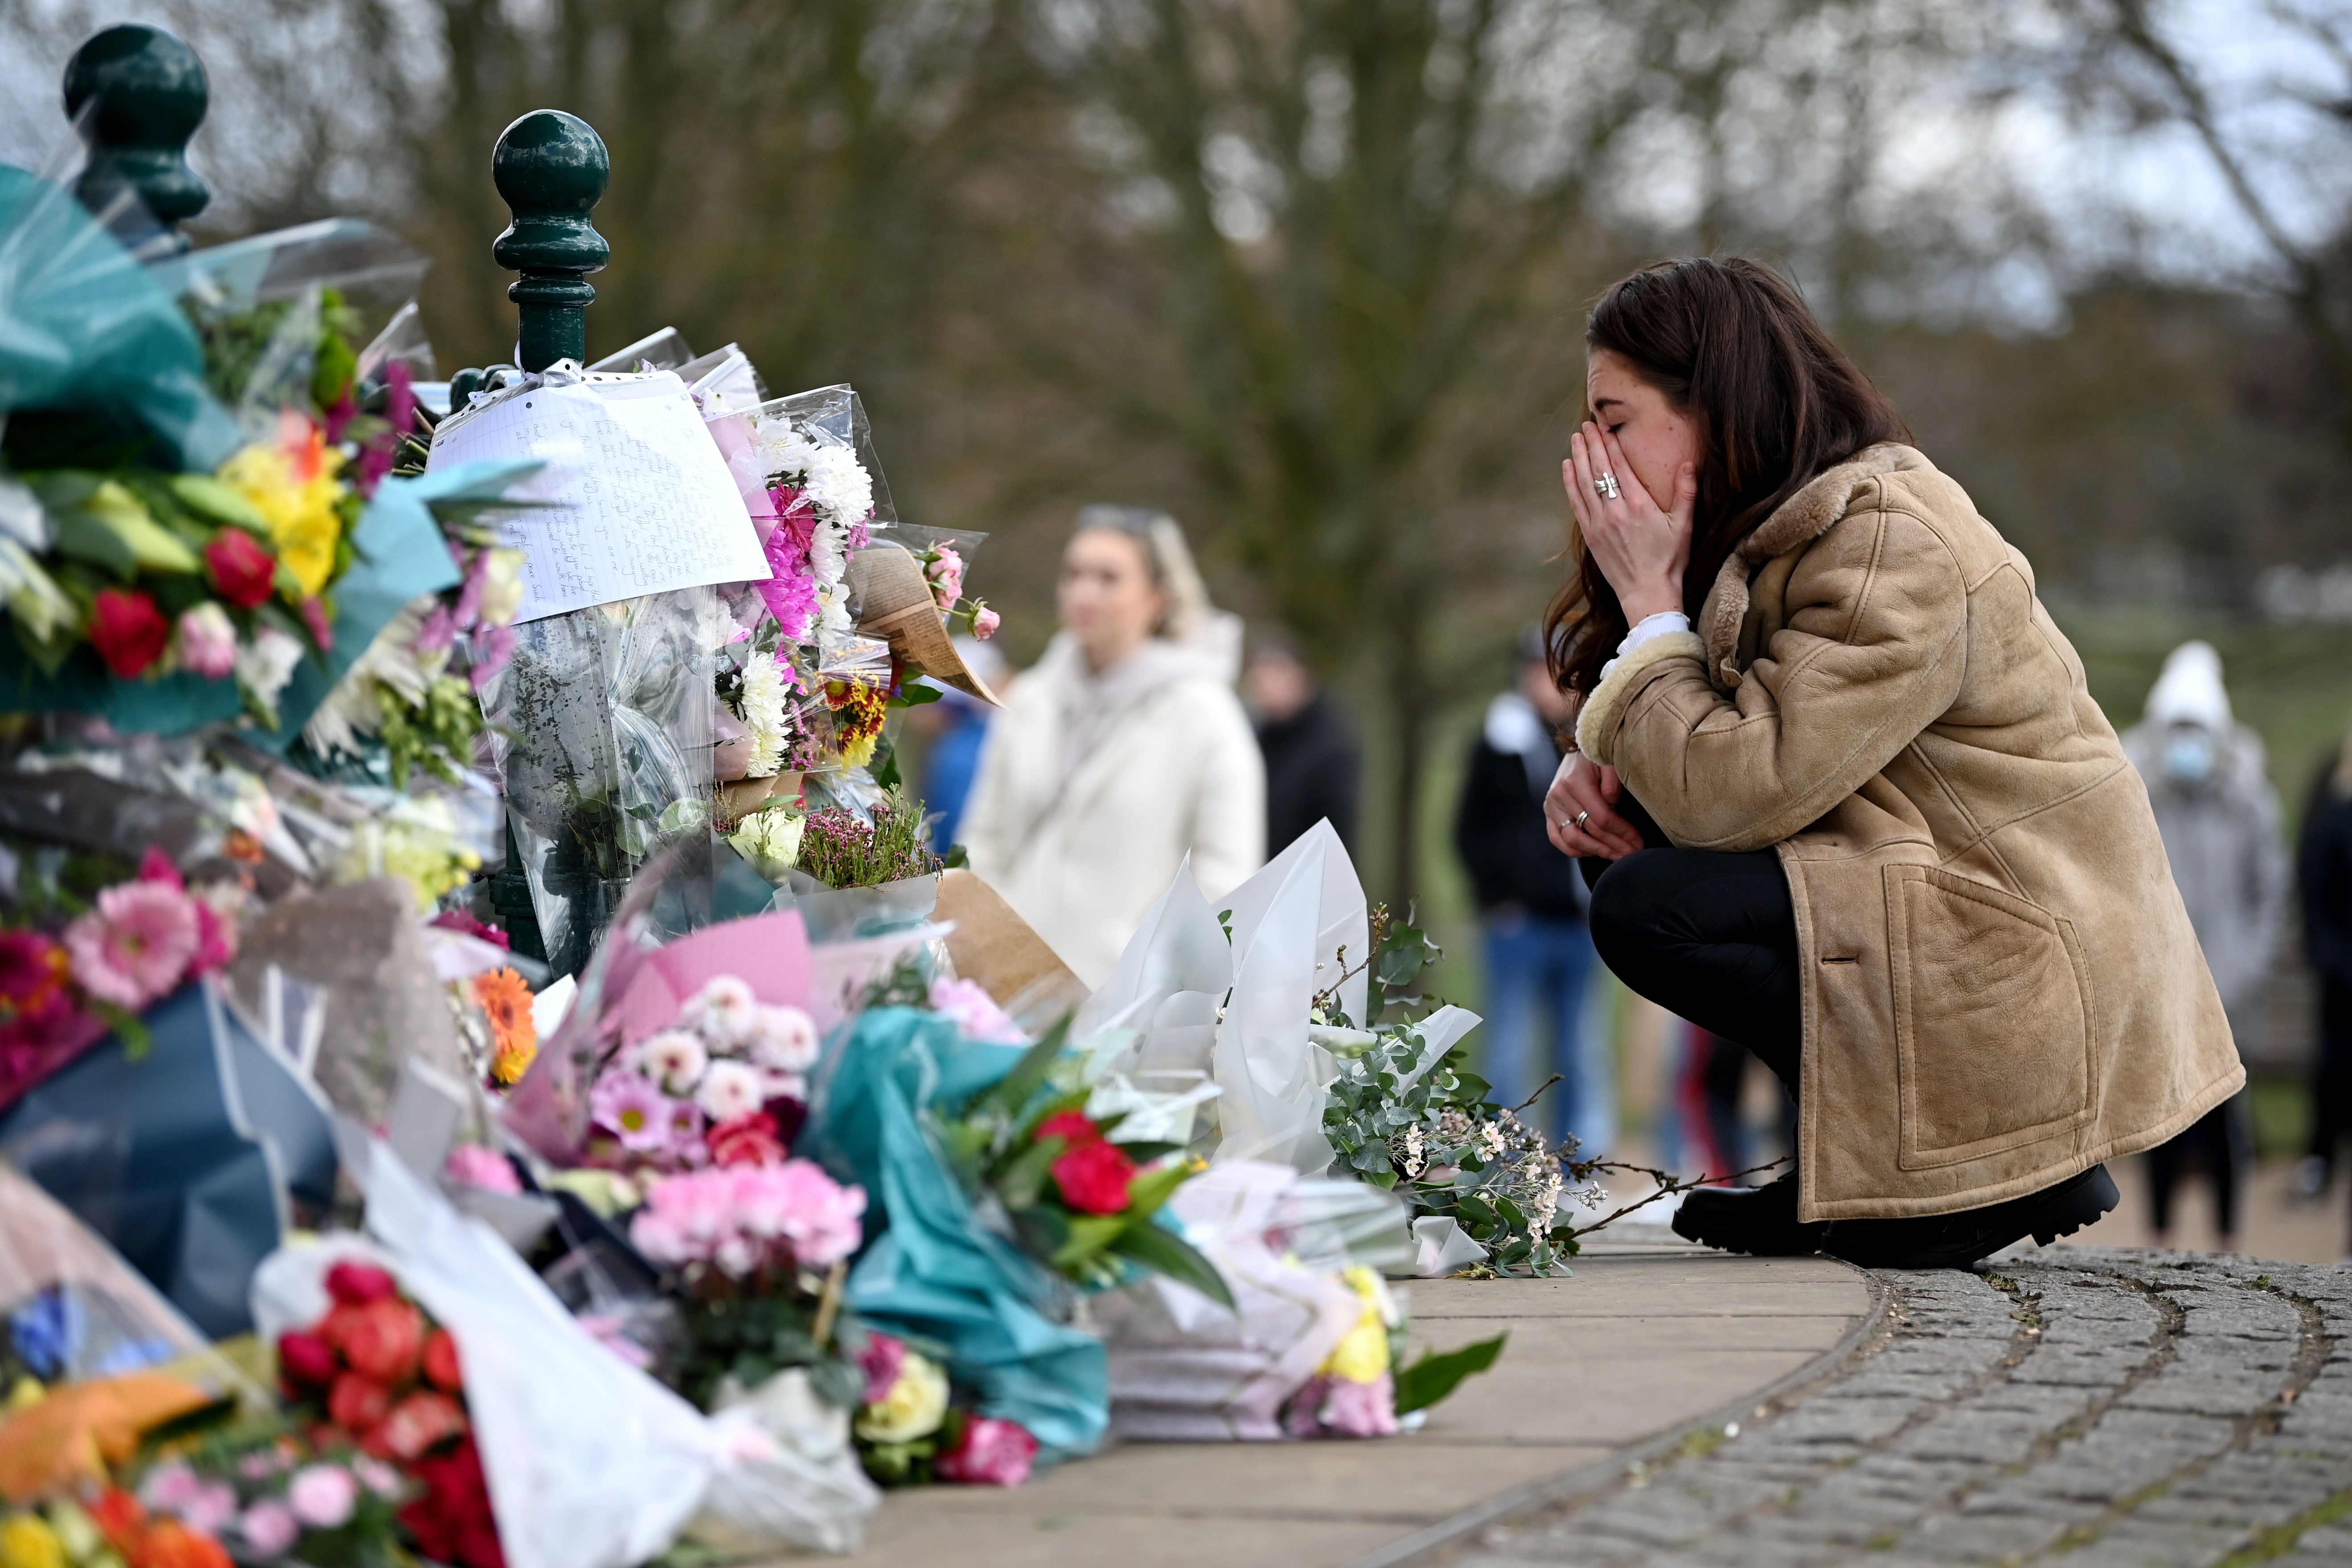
[1583,786]
[1641,545]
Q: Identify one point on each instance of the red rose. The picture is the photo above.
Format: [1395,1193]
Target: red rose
[441,1368]
[418,1423]
[1094,1177]
[128,630]
[381,1339]
[306,1359]
[452,1522]
[1074,1128]
[241,569]
[748,1139]
[356,1284]
[358,1403]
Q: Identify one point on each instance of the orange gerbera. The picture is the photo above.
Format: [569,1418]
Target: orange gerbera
[505,999]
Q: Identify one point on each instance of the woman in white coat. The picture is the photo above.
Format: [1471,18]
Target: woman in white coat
[1123,750]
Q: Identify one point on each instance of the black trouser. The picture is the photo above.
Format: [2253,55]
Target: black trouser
[2211,1142]
[2331,1077]
[1709,937]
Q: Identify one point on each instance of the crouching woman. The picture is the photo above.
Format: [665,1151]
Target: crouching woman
[1847,800]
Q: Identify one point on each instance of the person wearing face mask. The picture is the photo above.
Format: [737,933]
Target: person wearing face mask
[2210,786]
[1123,750]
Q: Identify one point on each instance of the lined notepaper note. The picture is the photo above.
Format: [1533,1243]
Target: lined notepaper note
[636,498]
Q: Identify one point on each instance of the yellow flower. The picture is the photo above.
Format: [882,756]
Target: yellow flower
[913,1408]
[28,1541]
[1362,1354]
[293,485]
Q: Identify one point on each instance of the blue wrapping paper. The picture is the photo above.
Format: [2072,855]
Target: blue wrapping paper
[937,1271]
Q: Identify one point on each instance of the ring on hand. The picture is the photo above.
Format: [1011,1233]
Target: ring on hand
[1578,823]
[1606,483]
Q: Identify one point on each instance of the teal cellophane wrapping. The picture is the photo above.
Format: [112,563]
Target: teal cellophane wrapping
[83,330]
[399,555]
[939,1271]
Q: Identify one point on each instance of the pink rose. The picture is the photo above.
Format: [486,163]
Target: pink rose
[207,641]
[324,1496]
[270,1528]
[984,622]
[990,1453]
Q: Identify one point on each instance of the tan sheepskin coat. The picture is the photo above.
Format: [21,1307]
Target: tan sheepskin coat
[2001,984]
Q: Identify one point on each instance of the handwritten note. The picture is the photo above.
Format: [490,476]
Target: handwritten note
[636,497]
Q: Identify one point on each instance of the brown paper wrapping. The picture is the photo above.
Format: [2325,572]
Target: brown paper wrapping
[895,601]
[997,947]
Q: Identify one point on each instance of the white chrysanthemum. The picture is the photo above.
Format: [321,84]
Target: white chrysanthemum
[721,1012]
[839,485]
[730,1089]
[784,453]
[783,1039]
[673,1058]
[763,714]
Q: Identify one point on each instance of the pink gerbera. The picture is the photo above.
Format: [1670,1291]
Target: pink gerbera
[136,945]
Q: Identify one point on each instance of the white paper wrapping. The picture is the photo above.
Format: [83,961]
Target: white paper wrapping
[1183,1368]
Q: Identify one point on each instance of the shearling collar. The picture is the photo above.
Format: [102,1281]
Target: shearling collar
[1795,524]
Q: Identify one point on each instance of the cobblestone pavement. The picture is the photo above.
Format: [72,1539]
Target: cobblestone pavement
[2094,1408]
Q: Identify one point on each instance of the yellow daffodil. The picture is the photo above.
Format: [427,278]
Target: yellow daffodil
[292,484]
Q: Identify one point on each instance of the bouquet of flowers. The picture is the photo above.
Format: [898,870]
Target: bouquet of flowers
[271,1498]
[376,1373]
[841,849]
[724,1086]
[1084,1203]
[84,954]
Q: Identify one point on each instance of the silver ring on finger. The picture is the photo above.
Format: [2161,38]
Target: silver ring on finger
[1578,823]
[1606,483]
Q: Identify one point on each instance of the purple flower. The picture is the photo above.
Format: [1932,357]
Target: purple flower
[437,635]
[634,1108]
[493,646]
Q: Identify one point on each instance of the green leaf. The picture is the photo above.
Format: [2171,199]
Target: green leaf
[1022,1178]
[1438,1373]
[916,695]
[216,503]
[1164,1252]
[1088,1235]
[956,857]
[1149,1190]
[1012,1090]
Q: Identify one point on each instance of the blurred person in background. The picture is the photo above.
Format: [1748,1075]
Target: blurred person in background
[1122,750]
[2210,786]
[1531,903]
[2324,872]
[953,729]
[1313,768]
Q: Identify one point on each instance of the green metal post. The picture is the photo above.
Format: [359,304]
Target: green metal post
[137,94]
[550,169]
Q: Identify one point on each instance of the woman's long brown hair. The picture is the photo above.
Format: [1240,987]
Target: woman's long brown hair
[1731,345]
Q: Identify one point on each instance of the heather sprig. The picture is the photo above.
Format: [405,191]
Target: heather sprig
[843,849]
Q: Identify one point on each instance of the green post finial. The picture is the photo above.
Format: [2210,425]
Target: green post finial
[137,94]
[550,169]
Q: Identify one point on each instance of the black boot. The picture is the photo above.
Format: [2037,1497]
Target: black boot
[1961,1240]
[1758,1220]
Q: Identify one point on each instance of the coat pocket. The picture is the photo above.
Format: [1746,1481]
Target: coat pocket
[1993,1018]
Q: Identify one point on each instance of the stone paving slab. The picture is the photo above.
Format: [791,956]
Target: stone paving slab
[1640,1340]
[2091,1408]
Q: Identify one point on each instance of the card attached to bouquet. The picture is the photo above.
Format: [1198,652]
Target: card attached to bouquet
[635,497]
